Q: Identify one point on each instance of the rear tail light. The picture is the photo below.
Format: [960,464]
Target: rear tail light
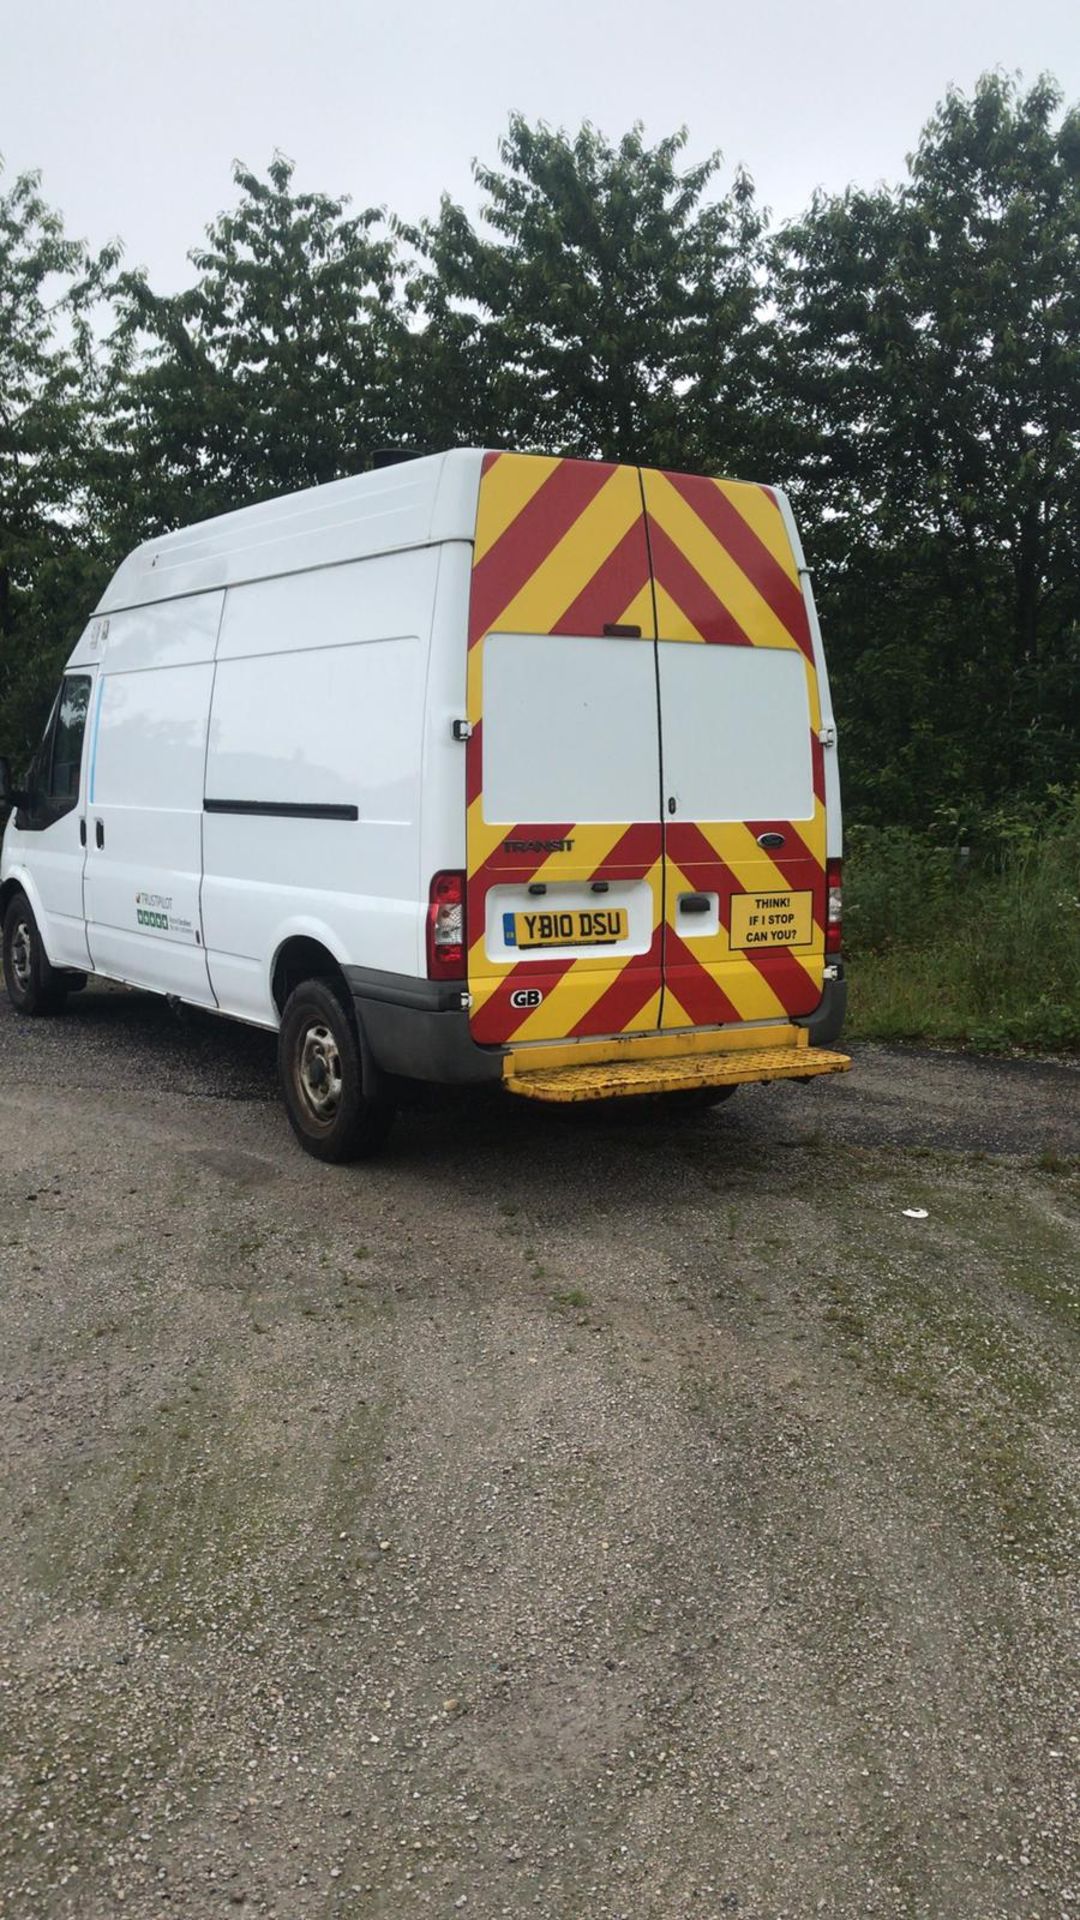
[834,908]
[446,927]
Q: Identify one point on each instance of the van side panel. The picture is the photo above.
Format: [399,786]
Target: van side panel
[144,796]
[414,504]
[442,816]
[834,824]
[313,773]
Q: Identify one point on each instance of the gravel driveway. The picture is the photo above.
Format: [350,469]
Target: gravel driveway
[579,1513]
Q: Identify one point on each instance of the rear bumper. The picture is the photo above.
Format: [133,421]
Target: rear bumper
[419,1030]
[825,1023]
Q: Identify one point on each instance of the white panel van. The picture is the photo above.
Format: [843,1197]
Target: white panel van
[482,767]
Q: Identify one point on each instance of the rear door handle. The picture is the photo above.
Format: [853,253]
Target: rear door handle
[99,832]
[694,903]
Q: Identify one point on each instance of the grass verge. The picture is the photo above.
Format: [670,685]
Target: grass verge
[977,948]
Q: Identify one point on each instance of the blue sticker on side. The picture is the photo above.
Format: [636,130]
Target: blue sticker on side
[509,931]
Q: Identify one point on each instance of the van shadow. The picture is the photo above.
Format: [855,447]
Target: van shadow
[585,1158]
[466,1141]
[140,1034]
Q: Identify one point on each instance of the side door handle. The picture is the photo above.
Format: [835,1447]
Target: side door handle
[82,833]
[99,833]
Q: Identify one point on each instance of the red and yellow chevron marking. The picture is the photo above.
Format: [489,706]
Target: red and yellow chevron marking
[578,994]
[560,548]
[724,567]
[725,574]
[566,547]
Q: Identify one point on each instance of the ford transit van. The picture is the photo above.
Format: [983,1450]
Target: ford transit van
[483,767]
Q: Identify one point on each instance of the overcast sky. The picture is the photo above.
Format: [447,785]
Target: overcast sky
[135,109]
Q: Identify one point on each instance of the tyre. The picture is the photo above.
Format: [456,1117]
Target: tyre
[333,1114]
[33,986]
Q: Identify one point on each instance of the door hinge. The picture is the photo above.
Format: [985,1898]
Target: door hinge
[461,729]
[827,736]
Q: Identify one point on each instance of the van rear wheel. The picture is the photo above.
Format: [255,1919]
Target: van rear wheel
[334,1114]
[33,986]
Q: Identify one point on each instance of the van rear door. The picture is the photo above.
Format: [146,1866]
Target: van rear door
[744,812]
[564,840]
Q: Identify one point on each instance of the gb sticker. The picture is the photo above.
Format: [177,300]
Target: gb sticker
[526,997]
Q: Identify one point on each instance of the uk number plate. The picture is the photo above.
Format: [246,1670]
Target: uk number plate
[567,927]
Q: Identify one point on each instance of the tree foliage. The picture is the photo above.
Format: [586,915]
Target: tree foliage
[276,369]
[906,361]
[931,371]
[53,398]
[605,305]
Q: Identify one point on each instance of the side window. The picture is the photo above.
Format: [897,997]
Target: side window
[63,784]
[53,778]
[38,771]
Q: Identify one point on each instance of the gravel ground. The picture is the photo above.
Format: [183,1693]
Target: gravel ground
[580,1513]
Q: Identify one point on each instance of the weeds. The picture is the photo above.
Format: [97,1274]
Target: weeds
[978,945]
[574,1297]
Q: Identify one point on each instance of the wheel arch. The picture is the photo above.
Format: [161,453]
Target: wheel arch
[19,881]
[302,956]
[8,888]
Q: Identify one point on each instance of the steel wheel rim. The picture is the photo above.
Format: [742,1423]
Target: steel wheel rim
[318,1072]
[22,955]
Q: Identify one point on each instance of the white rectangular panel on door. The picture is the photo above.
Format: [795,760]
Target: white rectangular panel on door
[569,729]
[736,732]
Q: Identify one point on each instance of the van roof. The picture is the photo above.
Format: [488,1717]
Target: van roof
[414,503]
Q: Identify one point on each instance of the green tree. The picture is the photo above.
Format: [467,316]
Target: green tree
[53,396]
[929,365]
[604,305]
[277,369]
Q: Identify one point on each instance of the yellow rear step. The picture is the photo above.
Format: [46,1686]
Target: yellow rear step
[615,1078]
